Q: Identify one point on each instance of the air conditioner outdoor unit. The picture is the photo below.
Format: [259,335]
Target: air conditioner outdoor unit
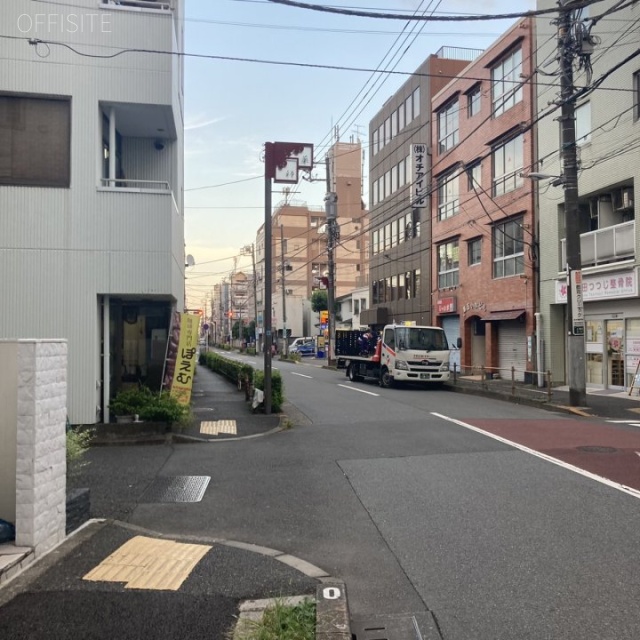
[627,198]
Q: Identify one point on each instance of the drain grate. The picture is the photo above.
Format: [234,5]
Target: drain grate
[176,489]
[385,627]
[596,449]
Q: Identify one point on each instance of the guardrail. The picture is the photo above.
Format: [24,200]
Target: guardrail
[505,380]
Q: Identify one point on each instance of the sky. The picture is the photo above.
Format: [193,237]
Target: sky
[233,107]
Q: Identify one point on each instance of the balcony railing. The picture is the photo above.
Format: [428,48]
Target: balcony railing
[159,5]
[604,246]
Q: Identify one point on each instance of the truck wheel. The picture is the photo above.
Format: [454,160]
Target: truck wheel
[386,379]
[353,376]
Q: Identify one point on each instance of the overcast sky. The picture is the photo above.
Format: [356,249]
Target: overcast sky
[234,107]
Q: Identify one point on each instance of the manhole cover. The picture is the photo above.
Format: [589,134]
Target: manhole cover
[176,489]
[596,449]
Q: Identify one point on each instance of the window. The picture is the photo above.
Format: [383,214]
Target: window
[381,137]
[416,102]
[636,95]
[408,109]
[387,184]
[35,141]
[394,124]
[401,117]
[473,101]
[508,248]
[387,131]
[474,176]
[356,307]
[402,287]
[394,179]
[315,221]
[506,87]
[448,127]
[376,142]
[583,123]
[448,196]
[507,165]
[448,265]
[474,251]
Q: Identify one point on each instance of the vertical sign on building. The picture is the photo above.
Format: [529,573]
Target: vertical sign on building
[577,304]
[419,185]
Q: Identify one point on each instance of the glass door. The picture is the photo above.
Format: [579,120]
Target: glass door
[615,353]
[595,365]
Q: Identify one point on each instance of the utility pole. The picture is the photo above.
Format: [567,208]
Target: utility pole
[250,250]
[576,372]
[284,294]
[333,233]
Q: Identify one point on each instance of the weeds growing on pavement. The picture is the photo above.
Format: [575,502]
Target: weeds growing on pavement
[281,621]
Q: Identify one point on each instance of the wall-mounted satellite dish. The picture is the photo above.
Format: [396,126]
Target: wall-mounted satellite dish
[190,261]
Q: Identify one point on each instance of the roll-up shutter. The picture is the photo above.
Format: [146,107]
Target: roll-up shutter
[512,349]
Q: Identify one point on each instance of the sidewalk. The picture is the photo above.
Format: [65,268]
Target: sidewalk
[222,412]
[602,403]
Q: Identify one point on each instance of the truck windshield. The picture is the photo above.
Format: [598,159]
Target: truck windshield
[421,339]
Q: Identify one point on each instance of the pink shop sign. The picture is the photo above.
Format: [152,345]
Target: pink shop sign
[602,287]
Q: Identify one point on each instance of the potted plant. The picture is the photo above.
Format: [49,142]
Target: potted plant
[130,403]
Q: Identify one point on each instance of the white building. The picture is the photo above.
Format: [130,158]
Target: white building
[607,129]
[91,182]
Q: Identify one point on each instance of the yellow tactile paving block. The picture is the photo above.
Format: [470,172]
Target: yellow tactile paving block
[149,563]
[219,426]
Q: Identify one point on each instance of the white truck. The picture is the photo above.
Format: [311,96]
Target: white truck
[404,352]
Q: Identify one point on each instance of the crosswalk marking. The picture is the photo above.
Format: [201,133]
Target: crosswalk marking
[213,428]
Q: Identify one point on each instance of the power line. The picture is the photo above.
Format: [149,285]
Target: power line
[442,18]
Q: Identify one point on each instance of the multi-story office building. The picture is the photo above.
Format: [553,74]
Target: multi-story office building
[483,231]
[399,219]
[607,125]
[299,239]
[91,153]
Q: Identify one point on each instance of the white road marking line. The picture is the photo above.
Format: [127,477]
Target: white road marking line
[369,393]
[630,423]
[587,474]
[293,373]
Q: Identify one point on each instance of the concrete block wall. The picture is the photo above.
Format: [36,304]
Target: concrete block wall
[40,435]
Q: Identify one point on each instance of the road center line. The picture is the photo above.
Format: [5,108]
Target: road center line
[543,456]
[293,373]
[369,393]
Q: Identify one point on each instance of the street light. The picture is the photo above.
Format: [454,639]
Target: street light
[534,175]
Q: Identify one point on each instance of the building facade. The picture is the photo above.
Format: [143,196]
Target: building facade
[91,153]
[483,227]
[399,219]
[607,125]
[299,241]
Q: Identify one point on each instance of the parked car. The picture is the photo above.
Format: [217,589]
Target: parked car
[303,349]
[299,341]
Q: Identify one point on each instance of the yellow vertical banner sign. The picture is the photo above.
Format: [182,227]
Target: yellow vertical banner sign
[185,366]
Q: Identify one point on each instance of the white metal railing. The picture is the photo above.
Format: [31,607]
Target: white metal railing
[126,183]
[160,5]
[611,244]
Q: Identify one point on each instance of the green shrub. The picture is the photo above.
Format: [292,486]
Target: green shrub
[277,392]
[150,406]
[129,402]
[165,408]
[78,441]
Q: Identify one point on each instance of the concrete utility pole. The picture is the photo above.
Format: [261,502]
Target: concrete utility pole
[576,372]
[333,233]
[250,250]
[284,294]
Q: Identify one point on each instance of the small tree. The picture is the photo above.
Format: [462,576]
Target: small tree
[319,301]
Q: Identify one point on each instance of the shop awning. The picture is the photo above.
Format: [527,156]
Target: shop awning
[512,314]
